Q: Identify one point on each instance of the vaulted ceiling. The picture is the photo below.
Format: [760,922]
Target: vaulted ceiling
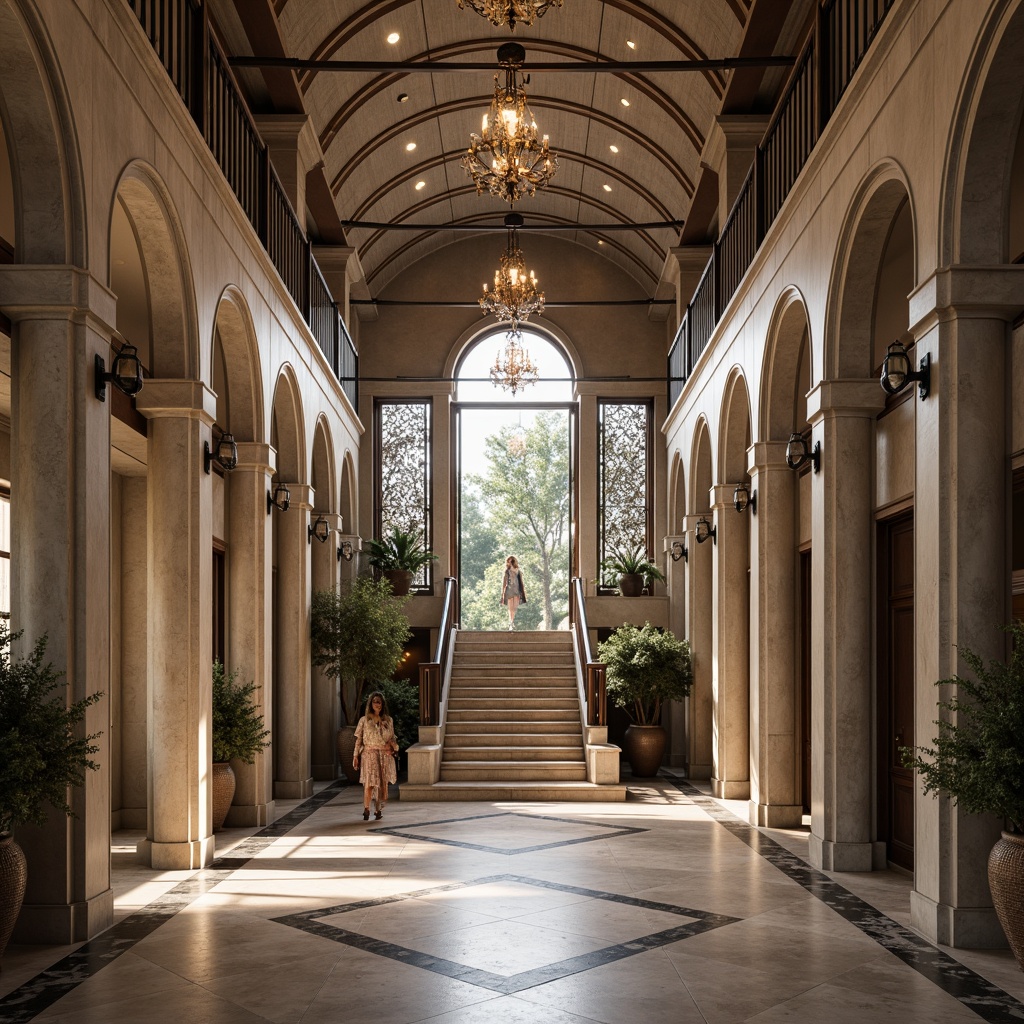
[629,142]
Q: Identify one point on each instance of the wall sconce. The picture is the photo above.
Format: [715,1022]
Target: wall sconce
[797,453]
[320,529]
[896,373]
[703,530]
[125,373]
[742,499]
[226,454]
[679,551]
[345,551]
[281,498]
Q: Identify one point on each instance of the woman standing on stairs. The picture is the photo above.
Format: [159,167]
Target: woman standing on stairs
[376,746]
[512,591]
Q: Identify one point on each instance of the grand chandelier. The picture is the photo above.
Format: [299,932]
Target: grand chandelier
[515,294]
[506,159]
[509,12]
[513,368]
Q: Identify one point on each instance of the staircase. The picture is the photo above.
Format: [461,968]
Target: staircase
[513,725]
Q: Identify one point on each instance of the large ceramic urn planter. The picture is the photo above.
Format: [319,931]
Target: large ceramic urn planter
[400,579]
[631,584]
[1006,880]
[644,747]
[223,777]
[13,876]
[346,748]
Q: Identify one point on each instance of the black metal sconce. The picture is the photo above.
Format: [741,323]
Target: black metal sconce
[742,499]
[320,529]
[125,373]
[703,530]
[226,454]
[896,372]
[345,551]
[280,499]
[679,551]
[797,453]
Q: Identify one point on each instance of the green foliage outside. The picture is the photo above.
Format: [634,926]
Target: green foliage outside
[518,506]
[237,722]
[357,634]
[41,751]
[646,667]
[399,549]
[978,756]
[403,699]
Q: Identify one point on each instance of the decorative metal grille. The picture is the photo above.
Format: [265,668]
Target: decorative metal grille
[404,472]
[625,479]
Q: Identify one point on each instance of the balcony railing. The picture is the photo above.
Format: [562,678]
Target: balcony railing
[844,32]
[179,31]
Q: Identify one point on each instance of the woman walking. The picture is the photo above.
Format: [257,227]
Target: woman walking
[375,746]
[512,591]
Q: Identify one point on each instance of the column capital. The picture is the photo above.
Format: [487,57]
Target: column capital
[292,131]
[721,496]
[44,292]
[993,292]
[845,397]
[767,455]
[189,399]
[256,457]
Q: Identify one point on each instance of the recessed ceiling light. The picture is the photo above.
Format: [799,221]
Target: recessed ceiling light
[631,44]
[410,146]
[393,38]
[403,97]
[624,101]
[607,188]
[420,185]
[614,149]
[600,241]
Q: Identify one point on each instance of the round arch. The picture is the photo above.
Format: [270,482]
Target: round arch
[677,492]
[786,369]
[288,434]
[235,336]
[735,429]
[348,505]
[322,470]
[701,469]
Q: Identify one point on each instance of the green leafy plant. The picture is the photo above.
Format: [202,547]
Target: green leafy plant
[237,723]
[399,550]
[403,698]
[645,667]
[40,753]
[631,563]
[978,755]
[357,634]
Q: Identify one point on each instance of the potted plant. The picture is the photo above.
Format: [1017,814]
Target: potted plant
[398,557]
[978,760]
[237,733]
[646,667]
[403,698]
[357,634]
[633,569]
[42,754]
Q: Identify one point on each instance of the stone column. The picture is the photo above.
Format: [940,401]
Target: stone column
[675,711]
[729,152]
[326,710]
[774,791]
[689,262]
[961,565]
[180,529]
[249,640]
[293,778]
[294,152]
[60,569]
[842,414]
[731,643]
[700,608]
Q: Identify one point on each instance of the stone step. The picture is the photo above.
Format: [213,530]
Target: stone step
[512,703]
[535,730]
[497,771]
[506,716]
[521,791]
[511,693]
[498,668]
[519,636]
[513,754]
[497,677]
[519,738]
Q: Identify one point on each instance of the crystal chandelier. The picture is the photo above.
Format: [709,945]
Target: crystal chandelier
[506,159]
[509,12]
[513,369]
[515,294]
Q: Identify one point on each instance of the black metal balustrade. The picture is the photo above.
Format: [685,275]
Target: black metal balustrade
[845,30]
[179,31]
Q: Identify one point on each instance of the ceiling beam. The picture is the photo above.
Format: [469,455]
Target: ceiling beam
[475,303]
[354,225]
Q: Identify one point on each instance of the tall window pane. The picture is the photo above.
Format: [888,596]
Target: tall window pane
[404,472]
[625,478]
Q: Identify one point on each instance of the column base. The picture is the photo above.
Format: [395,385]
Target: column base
[325,772]
[53,925]
[730,790]
[242,815]
[960,927]
[176,856]
[699,771]
[775,815]
[288,789]
[832,856]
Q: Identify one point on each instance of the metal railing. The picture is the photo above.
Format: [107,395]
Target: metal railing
[595,690]
[844,32]
[434,673]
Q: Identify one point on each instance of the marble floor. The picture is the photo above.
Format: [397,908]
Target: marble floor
[665,908]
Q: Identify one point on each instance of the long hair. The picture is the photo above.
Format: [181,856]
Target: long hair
[384,716]
[511,562]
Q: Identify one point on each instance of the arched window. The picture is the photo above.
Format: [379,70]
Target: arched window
[554,374]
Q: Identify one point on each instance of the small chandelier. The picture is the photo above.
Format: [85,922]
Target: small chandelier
[513,369]
[509,12]
[515,294]
[506,159]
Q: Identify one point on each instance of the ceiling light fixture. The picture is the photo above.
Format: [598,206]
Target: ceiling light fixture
[624,101]
[420,185]
[510,12]
[607,188]
[614,148]
[515,294]
[393,38]
[410,146]
[631,44]
[513,368]
[506,159]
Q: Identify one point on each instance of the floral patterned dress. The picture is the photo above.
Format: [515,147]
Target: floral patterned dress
[375,741]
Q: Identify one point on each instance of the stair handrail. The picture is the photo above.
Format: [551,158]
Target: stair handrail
[595,694]
[434,675]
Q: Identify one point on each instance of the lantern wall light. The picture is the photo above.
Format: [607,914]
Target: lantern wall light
[704,530]
[225,455]
[345,551]
[320,529]
[125,373]
[281,499]
[743,498]
[797,453]
[896,372]
[679,551]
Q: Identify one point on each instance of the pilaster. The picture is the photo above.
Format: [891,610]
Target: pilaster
[729,152]
[700,608]
[294,151]
[326,711]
